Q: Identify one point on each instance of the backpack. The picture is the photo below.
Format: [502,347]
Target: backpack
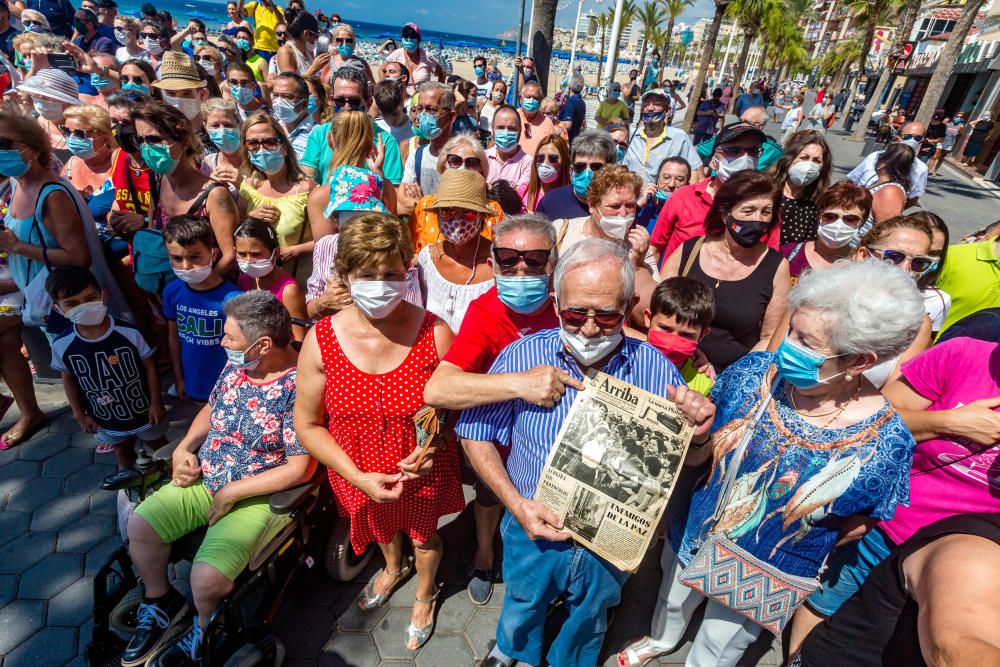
[150,261]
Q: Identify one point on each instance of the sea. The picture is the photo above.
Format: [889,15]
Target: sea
[214,16]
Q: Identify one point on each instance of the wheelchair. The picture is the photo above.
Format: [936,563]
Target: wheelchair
[305,529]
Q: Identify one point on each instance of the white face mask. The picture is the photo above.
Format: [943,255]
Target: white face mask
[836,234]
[803,173]
[729,166]
[589,351]
[88,314]
[121,36]
[377,298]
[616,226]
[48,109]
[187,106]
[194,276]
[257,268]
[152,45]
[547,173]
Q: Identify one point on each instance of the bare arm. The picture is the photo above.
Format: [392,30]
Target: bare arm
[977,421]
[63,221]
[224,216]
[153,386]
[455,389]
[672,266]
[319,224]
[776,307]
[286,59]
[174,342]
[295,471]
[293,297]
[779,331]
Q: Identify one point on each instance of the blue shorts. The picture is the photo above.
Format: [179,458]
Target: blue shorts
[266,55]
[847,570]
[150,434]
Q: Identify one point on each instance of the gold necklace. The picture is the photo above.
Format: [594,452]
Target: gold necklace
[836,412]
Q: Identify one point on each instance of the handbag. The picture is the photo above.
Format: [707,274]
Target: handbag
[728,574]
[37,302]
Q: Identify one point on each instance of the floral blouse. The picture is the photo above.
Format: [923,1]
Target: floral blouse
[252,429]
[797,482]
[355,189]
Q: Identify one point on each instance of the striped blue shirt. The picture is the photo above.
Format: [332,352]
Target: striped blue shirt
[531,429]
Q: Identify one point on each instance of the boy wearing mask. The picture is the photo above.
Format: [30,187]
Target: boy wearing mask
[679,316]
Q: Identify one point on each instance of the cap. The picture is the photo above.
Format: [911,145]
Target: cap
[178,72]
[54,84]
[85,14]
[655,91]
[738,129]
[462,188]
[414,27]
[616,86]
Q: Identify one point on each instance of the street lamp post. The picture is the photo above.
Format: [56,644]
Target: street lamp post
[576,35]
[616,33]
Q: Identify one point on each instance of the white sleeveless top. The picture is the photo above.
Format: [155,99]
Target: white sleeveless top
[447,300]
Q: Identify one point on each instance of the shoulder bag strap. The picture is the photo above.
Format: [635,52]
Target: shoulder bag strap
[200,201]
[562,233]
[418,160]
[693,256]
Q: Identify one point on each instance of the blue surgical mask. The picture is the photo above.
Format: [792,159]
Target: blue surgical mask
[269,162]
[101,82]
[411,44]
[662,195]
[312,106]
[800,365]
[479,69]
[158,159]
[506,139]
[82,148]
[135,88]
[615,94]
[244,44]
[243,96]
[619,155]
[581,182]
[285,111]
[429,126]
[12,164]
[523,294]
[345,50]
[226,138]
[530,105]
[238,358]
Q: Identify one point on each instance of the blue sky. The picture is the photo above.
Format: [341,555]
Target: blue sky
[484,18]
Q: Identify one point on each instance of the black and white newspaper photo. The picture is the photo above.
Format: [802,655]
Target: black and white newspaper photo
[612,468]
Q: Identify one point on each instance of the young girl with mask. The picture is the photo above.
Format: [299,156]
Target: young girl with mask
[257,256]
[803,173]
[275,189]
[674,172]
[498,93]
[356,180]
[551,170]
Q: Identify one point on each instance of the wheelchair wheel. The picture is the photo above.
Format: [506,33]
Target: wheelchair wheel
[122,619]
[342,564]
[250,655]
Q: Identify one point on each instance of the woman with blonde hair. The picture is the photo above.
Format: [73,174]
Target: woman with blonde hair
[275,189]
[550,170]
[173,151]
[127,33]
[210,59]
[356,180]
[89,139]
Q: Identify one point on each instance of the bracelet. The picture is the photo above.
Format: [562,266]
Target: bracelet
[700,445]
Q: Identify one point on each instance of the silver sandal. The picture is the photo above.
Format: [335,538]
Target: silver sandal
[371,600]
[421,635]
[631,655]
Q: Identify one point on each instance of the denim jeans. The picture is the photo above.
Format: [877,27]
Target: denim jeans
[538,572]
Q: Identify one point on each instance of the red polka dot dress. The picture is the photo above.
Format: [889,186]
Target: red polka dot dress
[371,418]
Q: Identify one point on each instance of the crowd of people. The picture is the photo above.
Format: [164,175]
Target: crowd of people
[319,249]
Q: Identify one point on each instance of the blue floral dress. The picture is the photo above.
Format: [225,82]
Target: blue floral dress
[797,482]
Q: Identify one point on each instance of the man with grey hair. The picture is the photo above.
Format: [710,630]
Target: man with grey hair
[436,113]
[223,470]
[535,125]
[594,293]
[523,257]
[574,110]
[591,151]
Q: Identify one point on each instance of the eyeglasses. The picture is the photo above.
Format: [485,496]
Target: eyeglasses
[577,317]
[409,33]
[240,83]
[79,134]
[270,143]
[456,161]
[850,218]
[136,80]
[151,35]
[151,140]
[739,151]
[914,137]
[280,34]
[919,264]
[509,258]
[434,111]
[540,158]
[352,102]
[578,167]
[7,144]
[28,23]
[343,40]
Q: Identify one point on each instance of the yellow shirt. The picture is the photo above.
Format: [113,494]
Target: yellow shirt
[264,20]
[970,276]
[612,111]
[696,380]
[292,228]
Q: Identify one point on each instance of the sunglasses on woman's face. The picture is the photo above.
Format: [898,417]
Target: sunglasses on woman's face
[457,162]
[280,35]
[577,317]
[540,158]
[850,218]
[509,258]
[151,140]
[79,134]
[135,80]
[919,264]
[7,144]
[269,143]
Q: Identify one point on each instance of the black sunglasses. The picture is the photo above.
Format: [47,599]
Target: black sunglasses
[409,33]
[269,143]
[577,317]
[541,158]
[509,258]
[578,167]
[456,162]
[352,102]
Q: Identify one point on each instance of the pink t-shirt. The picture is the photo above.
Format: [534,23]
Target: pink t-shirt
[277,288]
[951,475]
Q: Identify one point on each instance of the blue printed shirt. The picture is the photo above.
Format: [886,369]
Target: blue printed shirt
[252,429]
[531,429]
[797,482]
[199,319]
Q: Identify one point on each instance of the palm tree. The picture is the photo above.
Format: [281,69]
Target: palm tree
[946,62]
[543,18]
[603,23]
[651,15]
[674,9]
[708,48]
[909,16]
[749,14]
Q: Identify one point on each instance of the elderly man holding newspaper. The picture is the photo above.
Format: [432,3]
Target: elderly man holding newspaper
[594,293]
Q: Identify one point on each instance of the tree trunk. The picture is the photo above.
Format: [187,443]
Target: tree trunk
[666,44]
[741,68]
[711,35]
[642,55]
[946,63]
[543,18]
[600,56]
[909,18]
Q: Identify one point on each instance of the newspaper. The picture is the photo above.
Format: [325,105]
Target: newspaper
[613,467]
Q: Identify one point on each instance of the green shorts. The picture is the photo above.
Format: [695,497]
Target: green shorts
[175,511]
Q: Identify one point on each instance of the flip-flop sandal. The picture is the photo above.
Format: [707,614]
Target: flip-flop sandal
[11,439]
[105,449]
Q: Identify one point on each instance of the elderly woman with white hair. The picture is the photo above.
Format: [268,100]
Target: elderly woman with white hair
[806,454]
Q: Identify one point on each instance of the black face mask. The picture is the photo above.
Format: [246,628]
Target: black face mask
[126,137]
[746,233]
